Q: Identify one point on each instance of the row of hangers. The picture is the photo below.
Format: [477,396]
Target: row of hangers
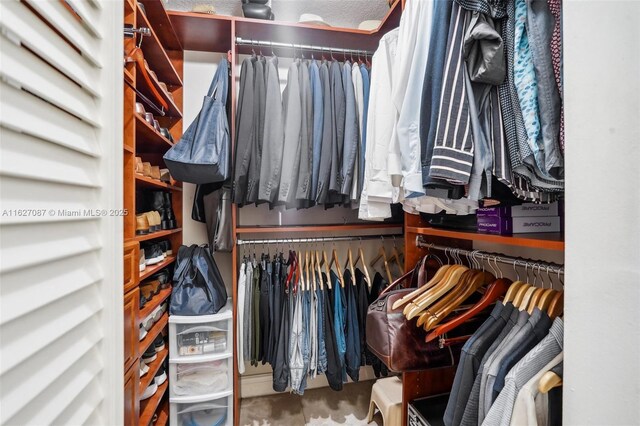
[358,58]
[453,283]
[305,264]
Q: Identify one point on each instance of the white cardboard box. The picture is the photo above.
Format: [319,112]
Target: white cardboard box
[531,210]
[535,224]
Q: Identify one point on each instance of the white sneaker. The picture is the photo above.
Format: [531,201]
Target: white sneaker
[149,391]
[144,368]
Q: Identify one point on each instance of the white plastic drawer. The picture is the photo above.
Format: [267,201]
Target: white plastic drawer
[200,340]
[216,412]
[200,379]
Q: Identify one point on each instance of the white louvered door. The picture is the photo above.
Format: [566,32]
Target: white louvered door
[61,343]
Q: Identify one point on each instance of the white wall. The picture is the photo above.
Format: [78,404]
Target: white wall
[602,304]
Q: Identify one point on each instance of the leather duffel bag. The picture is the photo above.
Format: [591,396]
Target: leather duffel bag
[400,343]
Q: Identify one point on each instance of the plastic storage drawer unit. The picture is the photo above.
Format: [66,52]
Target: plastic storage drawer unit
[217,412]
[200,378]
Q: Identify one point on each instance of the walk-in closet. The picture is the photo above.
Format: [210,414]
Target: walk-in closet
[319,212]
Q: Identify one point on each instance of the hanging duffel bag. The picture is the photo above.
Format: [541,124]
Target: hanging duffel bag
[203,153]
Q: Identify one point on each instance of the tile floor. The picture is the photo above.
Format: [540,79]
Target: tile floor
[317,407]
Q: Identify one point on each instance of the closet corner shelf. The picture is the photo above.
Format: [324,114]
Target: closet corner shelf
[148,140]
[155,54]
[157,13]
[153,369]
[154,235]
[147,182]
[150,270]
[152,334]
[315,228]
[154,303]
[551,241]
[148,407]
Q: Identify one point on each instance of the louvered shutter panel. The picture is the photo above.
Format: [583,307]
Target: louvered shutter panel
[61,343]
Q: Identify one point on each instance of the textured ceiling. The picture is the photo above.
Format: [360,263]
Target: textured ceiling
[338,13]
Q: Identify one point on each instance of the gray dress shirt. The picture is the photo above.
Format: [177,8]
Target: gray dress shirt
[303,189]
[470,359]
[273,136]
[351,133]
[522,372]
[292,125]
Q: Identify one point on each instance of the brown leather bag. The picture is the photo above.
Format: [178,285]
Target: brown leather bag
[398,342]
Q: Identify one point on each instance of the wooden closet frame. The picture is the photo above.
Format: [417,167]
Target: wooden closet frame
[164,54]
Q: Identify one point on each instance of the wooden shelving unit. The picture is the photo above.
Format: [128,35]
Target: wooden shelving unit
[164,56]
[154,366]
[315,228]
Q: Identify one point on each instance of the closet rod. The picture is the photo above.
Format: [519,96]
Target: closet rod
[493,257]
[244,41]
[317,239]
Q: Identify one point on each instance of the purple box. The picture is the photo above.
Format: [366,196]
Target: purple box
[495,225]
[500,211]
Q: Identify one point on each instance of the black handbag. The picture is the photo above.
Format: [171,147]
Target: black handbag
[203,153]
[198,288]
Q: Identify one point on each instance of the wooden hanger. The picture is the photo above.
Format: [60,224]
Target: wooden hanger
[382,254]
[412,303]
[349,263]
[137,57]
[325,262]
[319,270]
[517,300]
[395,256]
[437,291]
[512,291]
[545,299]
[360,259]
[301,275]
[447,298]
[334,261]
[477,280]
[440,273]
[526,299]
[556,307]
[312,268]
[493,293]
[548,381]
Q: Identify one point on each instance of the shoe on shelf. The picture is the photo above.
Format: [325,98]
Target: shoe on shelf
[157,219]
[165,132]
[161,376]
[170,217]
[156,125]
[144,368]
[148,117]
[165,245]
[139,166]
[140,109]
[159,343]
[146,169]
[153,254]
[156,314]
[146,290]
[142,265]
[165,176]
[164,306]
[149,391]
[143,299]
[162,276]
[143,333]
[154,223]
[147,323]
[155,172]
[142,224]
[150,355]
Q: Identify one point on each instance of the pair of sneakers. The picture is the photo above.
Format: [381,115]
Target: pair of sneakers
[161,375]
[156,252]
[152,318]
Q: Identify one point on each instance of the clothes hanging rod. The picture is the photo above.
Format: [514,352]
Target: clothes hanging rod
[318,239]
[494,257]
[263,43]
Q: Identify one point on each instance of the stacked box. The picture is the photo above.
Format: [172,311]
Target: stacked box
[525,218]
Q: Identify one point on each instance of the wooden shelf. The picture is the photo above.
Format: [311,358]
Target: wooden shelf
[551,241]
[157,14]
[152,334]
[154,303]
[128,75]
[315,228]
[163,413]
[148,407]
[147,182]
[153,368]
[155,54]
[154,235]
[150,270]
[173,111]
[148,140]
[212,33]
